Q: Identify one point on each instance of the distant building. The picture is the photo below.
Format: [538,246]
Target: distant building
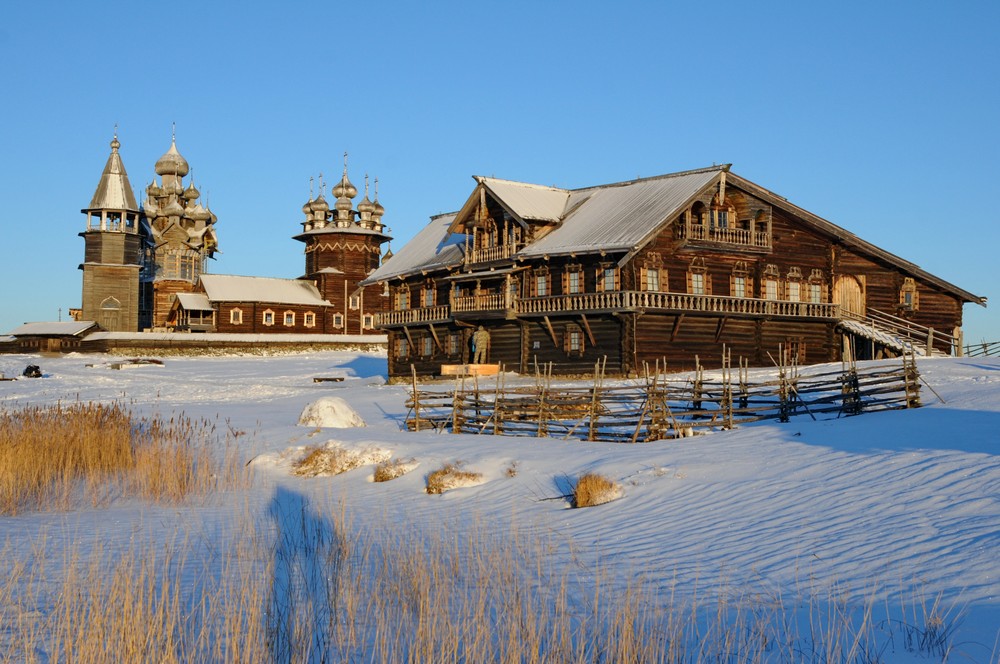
[145,267]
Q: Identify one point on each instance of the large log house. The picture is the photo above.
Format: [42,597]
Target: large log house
[669,267]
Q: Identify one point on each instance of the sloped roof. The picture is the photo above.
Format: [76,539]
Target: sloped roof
[69,328]
[232,288]
[113,190]
[528,201]
[620,217]
[613,218]
[194,301]
[432,248]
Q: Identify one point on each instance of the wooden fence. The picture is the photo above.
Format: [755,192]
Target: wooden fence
[659,405]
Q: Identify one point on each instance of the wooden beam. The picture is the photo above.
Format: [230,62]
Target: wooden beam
[677,327]
[720,327]
[437,342]
[586,326]
[552,333]
[409,338]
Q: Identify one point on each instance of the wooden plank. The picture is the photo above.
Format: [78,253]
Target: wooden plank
[470,369]
[552,333]
[676,328]
[586,326]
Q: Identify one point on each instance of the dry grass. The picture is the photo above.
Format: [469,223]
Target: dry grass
[312,588]
[58,457]
[392,468]
[593,489]
[451,476]
[331,459]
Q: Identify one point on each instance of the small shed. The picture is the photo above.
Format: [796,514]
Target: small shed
[59,336]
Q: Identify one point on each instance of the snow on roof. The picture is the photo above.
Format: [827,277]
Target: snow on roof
[620,217]
[232,288]
[70,328]
[529,201]
[194,301]
[432,248]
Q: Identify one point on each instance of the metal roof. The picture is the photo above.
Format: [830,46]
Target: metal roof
[620,217]
[113,191]
[69,328]
[433,248]
[268,290]
[194,301]
[528,201]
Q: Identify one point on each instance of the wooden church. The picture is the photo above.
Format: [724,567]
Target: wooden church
[664,268]
[146,266]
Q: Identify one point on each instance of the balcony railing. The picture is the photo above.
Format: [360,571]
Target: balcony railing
[608,301]
[635,300]
[435,314]
[487,254]
[737,236]
[482,302]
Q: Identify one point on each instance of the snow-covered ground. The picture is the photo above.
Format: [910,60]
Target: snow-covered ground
[887,505]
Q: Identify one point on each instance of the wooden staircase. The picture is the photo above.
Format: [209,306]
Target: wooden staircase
[900,334]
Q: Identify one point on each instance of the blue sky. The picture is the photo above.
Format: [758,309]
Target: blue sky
[881,117]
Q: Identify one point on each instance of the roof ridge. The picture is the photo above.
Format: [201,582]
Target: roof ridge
[481,178]
[624,183]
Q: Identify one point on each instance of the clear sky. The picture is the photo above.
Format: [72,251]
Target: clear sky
[881,117]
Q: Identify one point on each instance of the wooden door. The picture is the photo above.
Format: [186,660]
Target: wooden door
[849,294]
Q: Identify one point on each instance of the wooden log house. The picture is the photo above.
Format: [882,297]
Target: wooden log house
[669,267]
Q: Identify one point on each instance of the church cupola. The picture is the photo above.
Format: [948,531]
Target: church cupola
[365,208]
[345,193]
[113,206]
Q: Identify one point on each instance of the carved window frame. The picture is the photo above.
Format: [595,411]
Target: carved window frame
[235,316]
[740,277]
[909,296]
[699,281]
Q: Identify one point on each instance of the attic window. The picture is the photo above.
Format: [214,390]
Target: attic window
[908,296]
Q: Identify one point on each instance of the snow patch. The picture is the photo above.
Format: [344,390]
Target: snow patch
[332,412]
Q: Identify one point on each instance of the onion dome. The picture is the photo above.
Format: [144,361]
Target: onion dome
[191,193]
[307,207]
[153,189]
[174,188]
[343,204]
[172,163]
[173,209]
[387,255]
[151,208]
[365,206]
[344,188]
[320,204]
[199,213]
[377,209]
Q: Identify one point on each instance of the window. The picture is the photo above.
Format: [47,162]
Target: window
[309,319]
[338,320]
[268,318]
[698,280]
[541,285]
[573,280]
[454,347]
[403,298]
[770,285]
[908,294]
[289,319]
[815,293]
[236,316]
[402,348]
[740,284]
[354,302]
[368,321]
[793,292]
[573,342]
[427,346]
[794,351]
[427,296]
[607,278]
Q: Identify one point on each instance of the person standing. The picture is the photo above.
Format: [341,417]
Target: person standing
[480,346]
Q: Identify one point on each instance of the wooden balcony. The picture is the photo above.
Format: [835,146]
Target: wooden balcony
[489,254]
[678,302]
[494,304]
[435,314]
[758,240]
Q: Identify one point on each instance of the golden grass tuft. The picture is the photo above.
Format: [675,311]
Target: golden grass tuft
[451,476]
[326,461]
[57,457]
[593,489]
[392,468]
